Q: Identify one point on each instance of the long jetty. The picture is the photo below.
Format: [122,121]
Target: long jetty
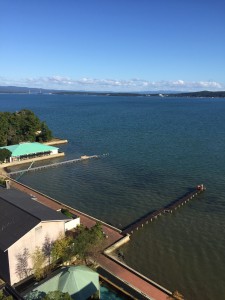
[85,157]
[166,209]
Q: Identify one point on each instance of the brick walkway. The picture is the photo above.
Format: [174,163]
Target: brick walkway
[113,267]
[132,279]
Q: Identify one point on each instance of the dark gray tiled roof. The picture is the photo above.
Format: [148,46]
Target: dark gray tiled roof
[14,223]
[19,214]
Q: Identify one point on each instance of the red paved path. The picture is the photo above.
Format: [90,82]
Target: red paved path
[113,236]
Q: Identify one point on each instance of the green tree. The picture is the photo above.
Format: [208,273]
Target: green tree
[61,249]
[38,260]
[3,129]
[97,232]
[29,124]
[22,126]
[82,244]
[88,241]
[13,134]
[4,154]
[57,295]
[46,133]
[3,297]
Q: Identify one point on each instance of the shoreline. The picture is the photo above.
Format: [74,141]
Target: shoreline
[54,141]
[115,240]
[29,160]
[145,286]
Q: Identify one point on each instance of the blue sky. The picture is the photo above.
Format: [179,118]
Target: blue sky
[115,45]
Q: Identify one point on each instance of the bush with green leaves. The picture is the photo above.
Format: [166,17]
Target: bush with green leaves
[38,260]
[22,126]
[3,297]
[88,241]
[67,213]
[5,154]
[57,295]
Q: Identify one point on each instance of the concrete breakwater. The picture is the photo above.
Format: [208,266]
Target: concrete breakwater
[30,160]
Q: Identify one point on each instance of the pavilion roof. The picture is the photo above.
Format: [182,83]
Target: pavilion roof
[28,148]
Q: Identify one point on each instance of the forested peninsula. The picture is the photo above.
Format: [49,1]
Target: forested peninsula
[22,126]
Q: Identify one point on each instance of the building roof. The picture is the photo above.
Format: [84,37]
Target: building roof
[80,282]
[28,148]
[19,214]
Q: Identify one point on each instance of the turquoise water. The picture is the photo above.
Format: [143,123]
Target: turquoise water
[158,149]
[108,294]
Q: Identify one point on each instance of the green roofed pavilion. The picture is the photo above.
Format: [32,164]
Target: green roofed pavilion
[29,150]
[80,282]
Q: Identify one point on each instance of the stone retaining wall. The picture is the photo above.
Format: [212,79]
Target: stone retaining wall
[26,161]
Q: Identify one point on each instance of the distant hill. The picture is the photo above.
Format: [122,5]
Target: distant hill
[204,94]
[24,90]
[27,90]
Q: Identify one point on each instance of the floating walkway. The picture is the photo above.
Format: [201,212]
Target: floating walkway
[166,209]
[85,157]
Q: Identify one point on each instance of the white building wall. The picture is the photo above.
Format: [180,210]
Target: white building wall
[55,151]
[34,238]
[72,224]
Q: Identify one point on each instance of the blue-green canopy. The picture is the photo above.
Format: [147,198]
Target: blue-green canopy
[28,149]
[80,282]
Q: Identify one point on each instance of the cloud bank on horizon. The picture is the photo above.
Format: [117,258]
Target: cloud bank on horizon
[93,84]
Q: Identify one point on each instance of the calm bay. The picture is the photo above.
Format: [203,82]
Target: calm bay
[158,149]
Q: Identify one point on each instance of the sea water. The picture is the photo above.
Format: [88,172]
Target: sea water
[158,149]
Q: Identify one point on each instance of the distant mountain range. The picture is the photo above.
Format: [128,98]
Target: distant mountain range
[27,90]
[24,90]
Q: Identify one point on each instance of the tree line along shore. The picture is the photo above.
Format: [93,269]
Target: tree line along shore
[22,127]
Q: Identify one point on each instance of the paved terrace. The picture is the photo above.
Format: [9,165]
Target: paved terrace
[124,273]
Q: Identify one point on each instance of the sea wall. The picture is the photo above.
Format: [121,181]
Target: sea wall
[26,161]
[118,244]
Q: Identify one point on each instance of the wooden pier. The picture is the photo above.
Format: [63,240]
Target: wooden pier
[166,209]
[85,157]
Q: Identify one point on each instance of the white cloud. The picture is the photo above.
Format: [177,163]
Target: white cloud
[179,82]
[135,84]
